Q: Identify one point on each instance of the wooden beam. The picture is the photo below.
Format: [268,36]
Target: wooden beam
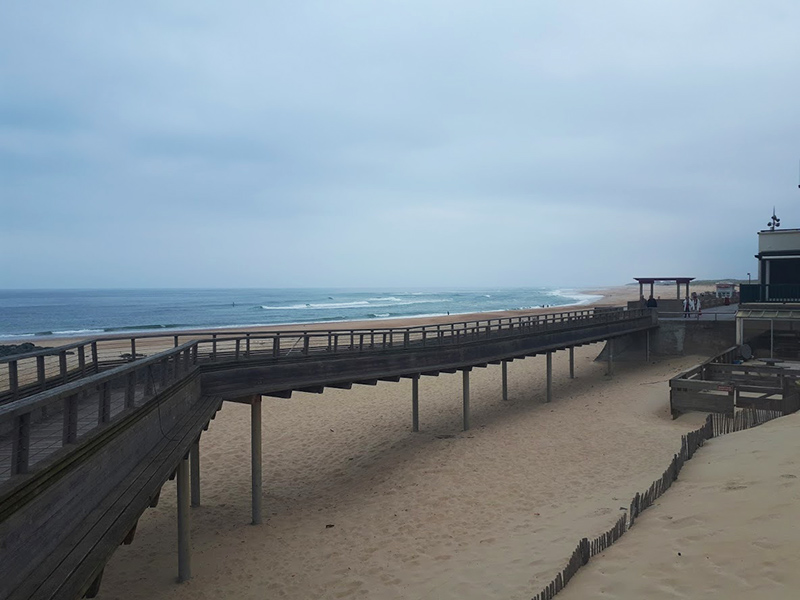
[430,373]
[367,382]
[393,378]
[314,389]
[340,386]
[131,534]
[281,394]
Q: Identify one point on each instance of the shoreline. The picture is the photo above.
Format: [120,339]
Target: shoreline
[609,296]
[605,296]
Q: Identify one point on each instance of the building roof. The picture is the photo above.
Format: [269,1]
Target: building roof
[654,279]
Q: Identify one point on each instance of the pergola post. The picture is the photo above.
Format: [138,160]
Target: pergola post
[678,283]
[651,289]
[641,290]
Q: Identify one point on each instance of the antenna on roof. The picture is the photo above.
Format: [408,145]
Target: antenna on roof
[773,221]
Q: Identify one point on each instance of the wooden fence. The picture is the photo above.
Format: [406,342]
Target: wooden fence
[716,425]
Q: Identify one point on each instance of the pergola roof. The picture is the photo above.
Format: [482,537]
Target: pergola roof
[654,279]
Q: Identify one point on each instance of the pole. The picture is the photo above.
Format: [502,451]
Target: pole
[647,346]
[255,437]
[184,543]
[572,362]
[549,376]
[771,338]
[195,474]
[465,380]
[415,403]
[504,367]
[610,352]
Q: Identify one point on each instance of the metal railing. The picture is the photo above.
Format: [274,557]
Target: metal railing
[694,316]
[774,292]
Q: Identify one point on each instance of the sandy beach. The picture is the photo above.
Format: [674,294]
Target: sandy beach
[359,506]
[726,529]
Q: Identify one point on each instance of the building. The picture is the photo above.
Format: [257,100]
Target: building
[768,319]
[725,289]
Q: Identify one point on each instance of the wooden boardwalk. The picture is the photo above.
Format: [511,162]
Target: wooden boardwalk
[89,432]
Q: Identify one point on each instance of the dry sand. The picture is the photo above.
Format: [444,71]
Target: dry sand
[726,529]
[489,513]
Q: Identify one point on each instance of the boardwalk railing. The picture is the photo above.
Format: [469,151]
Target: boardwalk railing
[49,410]
[720,385]
[44,424]
[26,374]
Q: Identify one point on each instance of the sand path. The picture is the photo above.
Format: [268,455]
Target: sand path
[489,513]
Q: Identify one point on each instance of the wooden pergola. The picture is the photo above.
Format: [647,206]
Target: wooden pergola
[651,280]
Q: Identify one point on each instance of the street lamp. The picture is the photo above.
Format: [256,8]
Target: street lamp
[748,278]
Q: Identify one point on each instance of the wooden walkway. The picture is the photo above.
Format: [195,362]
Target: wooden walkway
[78,422]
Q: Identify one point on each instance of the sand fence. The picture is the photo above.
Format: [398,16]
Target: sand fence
[716,424]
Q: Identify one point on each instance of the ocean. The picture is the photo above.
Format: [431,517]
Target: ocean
[27,313]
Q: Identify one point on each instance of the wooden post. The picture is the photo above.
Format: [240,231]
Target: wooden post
[95,359]
[465,380]
[610,356]
[195,460]
[415,403]
[21,444]
[13,379]
[572,362]
[40,374]
[771,338]
[184,542]
[255,443]
[504,367]
[549,376]
[647,346]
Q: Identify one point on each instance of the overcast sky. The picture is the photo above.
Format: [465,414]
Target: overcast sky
[462,143]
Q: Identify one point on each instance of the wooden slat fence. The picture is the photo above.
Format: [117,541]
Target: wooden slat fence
[716,425]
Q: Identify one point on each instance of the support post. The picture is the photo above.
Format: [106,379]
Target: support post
[504,365]
[465,380]
[184,543]
[771,338]
[572,362]
[255,435]
[647,346]
[415,403]
[195,459]
[549,376]
[610,355]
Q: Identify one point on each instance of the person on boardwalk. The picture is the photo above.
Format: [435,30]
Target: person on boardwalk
[652,303]
[687,307]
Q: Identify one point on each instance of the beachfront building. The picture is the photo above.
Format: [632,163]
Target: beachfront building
[725,289]
[768,319]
